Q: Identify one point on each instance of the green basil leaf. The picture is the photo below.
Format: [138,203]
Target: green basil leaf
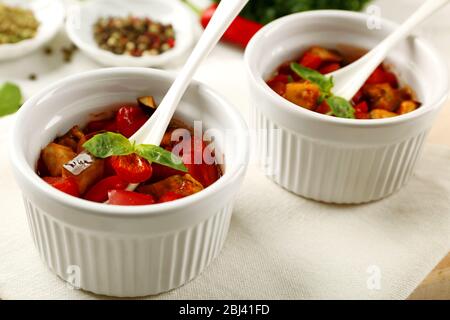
[341,108]
[108,144]
[161,156]
[325,83]
[10,99]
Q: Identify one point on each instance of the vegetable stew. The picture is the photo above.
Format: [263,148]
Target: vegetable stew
[98,162]
[303,83]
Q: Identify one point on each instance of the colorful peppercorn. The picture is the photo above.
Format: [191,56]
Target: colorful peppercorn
[133,36]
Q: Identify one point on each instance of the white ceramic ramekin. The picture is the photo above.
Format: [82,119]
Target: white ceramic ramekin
[330,159]
[125,251]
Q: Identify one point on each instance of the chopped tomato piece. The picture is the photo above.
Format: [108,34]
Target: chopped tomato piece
[328,68]
[171,42]
[362,115]
[278,87]
[129,198]
[109,170]
[324,108]
[67,185]
[99,192]
[130,119]
[358,96]
[391,78]
[283,78]
[311,61]
[379,76]
[203,172]
[170,196]
[101,125]
[362,107]
[132,168]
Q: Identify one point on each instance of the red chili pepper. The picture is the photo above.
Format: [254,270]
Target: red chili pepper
[130,119]
[240,31]
[99,192]
[329,68]
[362,107]
[67,185]
[201,171]
[170,196]
[129,198]
[310,60]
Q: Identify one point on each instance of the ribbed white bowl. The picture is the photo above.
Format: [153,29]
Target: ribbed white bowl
[330,159]
[127,265]
[121,250]
[333,173]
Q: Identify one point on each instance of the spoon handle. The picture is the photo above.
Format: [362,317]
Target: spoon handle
[350,80]
[153,131]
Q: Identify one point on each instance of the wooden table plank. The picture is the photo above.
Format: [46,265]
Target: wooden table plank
[437,285]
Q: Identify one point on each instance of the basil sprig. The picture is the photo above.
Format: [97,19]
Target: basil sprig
[109,144]
[10,99]
[340,107]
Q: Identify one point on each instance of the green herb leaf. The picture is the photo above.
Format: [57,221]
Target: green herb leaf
[10,99]
[341,108]
[161,156]
[108,144]
[269,10]
[325,83]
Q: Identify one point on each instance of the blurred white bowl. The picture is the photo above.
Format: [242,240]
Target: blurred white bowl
[49,13]
[332,159]
[82,17]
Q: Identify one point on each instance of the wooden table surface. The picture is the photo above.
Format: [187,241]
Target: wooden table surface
[436,285]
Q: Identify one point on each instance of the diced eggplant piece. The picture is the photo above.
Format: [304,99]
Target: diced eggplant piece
[325,54]
[381,114]
[89,176]
[182,185]
[147,103]
[382,96]
[304,94]
[54,156]
[408,106]
[72,139]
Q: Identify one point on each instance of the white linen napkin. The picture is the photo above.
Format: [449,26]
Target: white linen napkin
[280,246]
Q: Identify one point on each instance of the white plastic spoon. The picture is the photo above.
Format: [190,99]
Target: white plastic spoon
[349,80]
[153,130]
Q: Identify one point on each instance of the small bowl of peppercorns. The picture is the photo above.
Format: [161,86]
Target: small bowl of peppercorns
[26,26]
[135,33]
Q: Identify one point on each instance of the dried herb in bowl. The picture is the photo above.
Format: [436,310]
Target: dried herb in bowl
[134,36]
[16,24]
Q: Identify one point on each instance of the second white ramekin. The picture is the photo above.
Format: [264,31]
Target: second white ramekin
[330,159]
[120,250]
